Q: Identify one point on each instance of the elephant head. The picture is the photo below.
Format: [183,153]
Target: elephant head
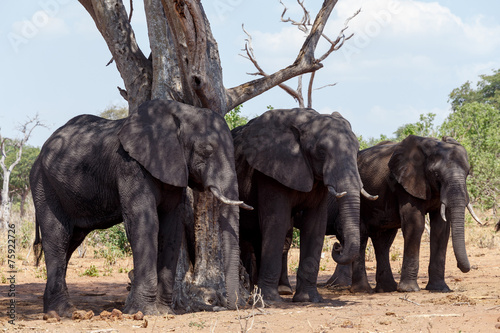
[301,147]
[201,143]
[427,167]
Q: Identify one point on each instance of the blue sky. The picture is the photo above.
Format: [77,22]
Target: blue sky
[404,59]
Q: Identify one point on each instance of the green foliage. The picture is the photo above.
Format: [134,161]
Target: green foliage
[114,239]
[19,178]
[487,92]
[234,118]
[114,112]
[296,238]
[475,125]
[423,127]
[91,271]
[363,144]
[41,272]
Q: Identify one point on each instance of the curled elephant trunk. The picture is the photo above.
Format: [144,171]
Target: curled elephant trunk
[349,217]
[216,192]
[368,195]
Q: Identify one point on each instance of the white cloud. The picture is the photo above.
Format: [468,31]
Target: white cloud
[40,24]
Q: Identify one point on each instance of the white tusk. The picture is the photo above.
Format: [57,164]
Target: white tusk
[471,211]
[215,191]
[331,189]
[443,211]
[368,195]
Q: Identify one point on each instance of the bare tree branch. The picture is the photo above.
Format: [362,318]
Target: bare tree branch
[134,67]
[251,56]
[304,63]
[309,90]
[341,38]
[306,19]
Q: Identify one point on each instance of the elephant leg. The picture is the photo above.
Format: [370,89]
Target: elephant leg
[312,235]
[382,241]
[141,224]
[284,287]
[440,233]
[169,242]
[55,242]
[359,277]
[342,277]
[76,239]
[274,220]
[412,225]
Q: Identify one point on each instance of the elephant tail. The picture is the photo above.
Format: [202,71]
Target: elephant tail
[37,244]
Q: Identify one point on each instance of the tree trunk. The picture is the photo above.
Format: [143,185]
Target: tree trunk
[5,207]
[184,66]
[24,195]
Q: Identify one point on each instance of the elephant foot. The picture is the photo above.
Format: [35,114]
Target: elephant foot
[339,281]
[312,295]
[285,290]
[408,286]
[132,307]
[63,309]
[439,286]
[271,294]
[165,309]
[361,287]
[386,287]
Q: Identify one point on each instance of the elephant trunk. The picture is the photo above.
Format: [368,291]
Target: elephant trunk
[453,207]
[349,227]
[457,214]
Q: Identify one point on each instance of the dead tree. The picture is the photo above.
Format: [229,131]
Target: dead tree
[26,131]
[184,66]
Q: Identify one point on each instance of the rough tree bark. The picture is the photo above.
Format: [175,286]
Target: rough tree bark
[184,66]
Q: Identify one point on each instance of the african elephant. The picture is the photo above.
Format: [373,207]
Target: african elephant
[287,161]
[415,177]
[93,173]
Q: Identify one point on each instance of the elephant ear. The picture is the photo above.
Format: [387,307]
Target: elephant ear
[274,149]
[408,166]
[151,137]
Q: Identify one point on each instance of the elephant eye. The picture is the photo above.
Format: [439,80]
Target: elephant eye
[206,149]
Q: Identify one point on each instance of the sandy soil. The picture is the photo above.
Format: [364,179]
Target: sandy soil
[473,306]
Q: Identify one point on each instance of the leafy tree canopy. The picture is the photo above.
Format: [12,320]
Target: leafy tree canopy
[234,117]
[19,179]
[114,112]
[487,92]
[474,122]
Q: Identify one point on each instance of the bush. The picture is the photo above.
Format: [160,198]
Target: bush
[114,239]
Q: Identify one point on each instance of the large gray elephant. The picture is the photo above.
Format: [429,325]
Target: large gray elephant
[93,173]
[415,177]
[288,161]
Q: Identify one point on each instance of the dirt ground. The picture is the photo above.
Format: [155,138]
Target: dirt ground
[473,306]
